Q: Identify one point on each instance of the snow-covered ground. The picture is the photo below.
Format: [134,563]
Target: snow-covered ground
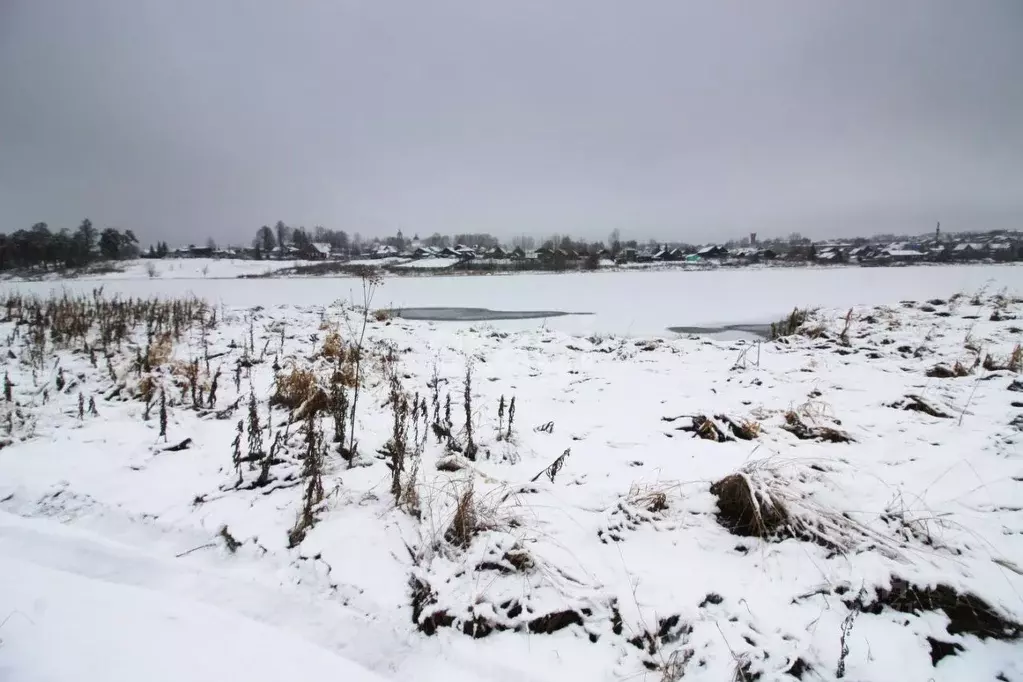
[430,264]
[81,607]
[637,303]
[179,268]
[598,536]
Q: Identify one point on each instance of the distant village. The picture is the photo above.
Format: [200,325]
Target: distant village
[485,252]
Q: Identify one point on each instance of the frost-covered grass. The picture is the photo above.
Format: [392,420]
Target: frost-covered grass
[652,508]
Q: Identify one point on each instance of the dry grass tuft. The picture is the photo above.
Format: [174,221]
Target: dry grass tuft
[706,428]
[751,428]
[465,524]
[293,388]
[745,509]
[333,346]
[381,315]
[790,325]
[475,513]
[1012,363]
[345,375]
[743,429]
[160,350]
[765,500]
[409,499]
[147,388]
[652,497]
[957,370]
[801,430]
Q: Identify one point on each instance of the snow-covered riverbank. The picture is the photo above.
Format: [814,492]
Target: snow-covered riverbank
[654,507]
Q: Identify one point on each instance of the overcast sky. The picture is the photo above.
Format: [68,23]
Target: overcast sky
[665,119]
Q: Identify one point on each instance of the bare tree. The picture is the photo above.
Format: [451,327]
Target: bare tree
[614,242]
[265,240]
[283,234]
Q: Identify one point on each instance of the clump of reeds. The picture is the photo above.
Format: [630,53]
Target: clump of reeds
[787,326]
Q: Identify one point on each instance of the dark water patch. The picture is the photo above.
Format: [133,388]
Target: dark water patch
[761,330]
[474,314]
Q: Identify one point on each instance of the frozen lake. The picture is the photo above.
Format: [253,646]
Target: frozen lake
[620,302]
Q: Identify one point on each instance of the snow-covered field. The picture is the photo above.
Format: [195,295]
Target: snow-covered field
[825,506]
[638,303]
[185,268]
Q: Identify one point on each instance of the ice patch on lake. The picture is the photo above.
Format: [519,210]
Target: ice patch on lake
[474,314]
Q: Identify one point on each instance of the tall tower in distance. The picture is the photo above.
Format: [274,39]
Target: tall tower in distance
[752,238]
[937,232]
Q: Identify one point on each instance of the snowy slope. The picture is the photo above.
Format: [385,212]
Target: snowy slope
[80,608]
[899,557]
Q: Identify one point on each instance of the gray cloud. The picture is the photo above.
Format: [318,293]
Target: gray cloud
[665,119]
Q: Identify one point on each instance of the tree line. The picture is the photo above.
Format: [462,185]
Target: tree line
[39,246]
[270,239]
